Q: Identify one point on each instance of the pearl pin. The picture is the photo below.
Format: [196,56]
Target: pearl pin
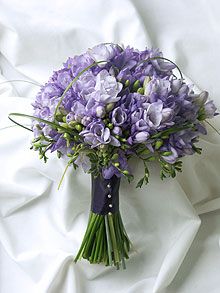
[109,185]
[110,205]
[109,195]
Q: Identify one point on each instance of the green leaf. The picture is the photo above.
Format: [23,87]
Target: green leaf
[140,183]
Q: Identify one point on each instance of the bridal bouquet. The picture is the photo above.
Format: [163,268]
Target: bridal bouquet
[106,106]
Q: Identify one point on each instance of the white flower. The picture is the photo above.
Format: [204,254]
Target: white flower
[102,52]
[106,88]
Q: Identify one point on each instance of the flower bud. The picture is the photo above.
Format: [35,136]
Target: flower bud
[158,144]
[125,172]
[141,90]
[136,85]
[106,121]
[110,126]
[72,123]
[78,127]
[109,107]
[66,135]
[168,153]
[37,144]
[127,83]
[116,164]
[59,117]
[117,130]
[64,125]
[100,111]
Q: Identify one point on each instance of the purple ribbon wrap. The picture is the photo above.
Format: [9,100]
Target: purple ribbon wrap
[105,195]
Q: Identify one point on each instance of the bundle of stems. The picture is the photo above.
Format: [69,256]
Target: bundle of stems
[105,241]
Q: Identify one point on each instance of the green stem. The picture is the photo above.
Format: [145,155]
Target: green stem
[52,124]
[213,127]
[63,175]
[109,243]
[91,236]
[120,241]
[113,238]
[90,224]
[99,238]
[92,252]
[102,245]
[105,241]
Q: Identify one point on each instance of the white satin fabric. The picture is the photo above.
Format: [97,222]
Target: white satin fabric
[174,225]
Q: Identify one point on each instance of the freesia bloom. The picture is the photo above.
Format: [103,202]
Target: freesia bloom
[103,52]
[121,103]
[97,134]
[106,89]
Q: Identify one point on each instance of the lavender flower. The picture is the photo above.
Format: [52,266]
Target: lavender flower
[130,101]
[119,116]
[210,109]
[97,134]
[106,89]
[103,52]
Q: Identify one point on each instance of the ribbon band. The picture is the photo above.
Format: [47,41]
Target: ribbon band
[105,195]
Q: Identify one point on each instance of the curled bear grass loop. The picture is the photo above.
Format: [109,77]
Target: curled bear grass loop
[72,82]
[50,123]
[163,58]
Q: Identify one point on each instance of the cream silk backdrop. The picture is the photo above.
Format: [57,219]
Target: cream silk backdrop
[174,225]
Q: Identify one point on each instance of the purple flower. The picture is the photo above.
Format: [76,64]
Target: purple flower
[201,98]
[153,114]
[181,143]
[159,86]
[171,158]
[128,96]
[117,130]
[97,134]
[103,52]
[119,117]
[85,84]
[106,89]
[78,109]
[141,137]
[64,77]
[210,109]
[137,115]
